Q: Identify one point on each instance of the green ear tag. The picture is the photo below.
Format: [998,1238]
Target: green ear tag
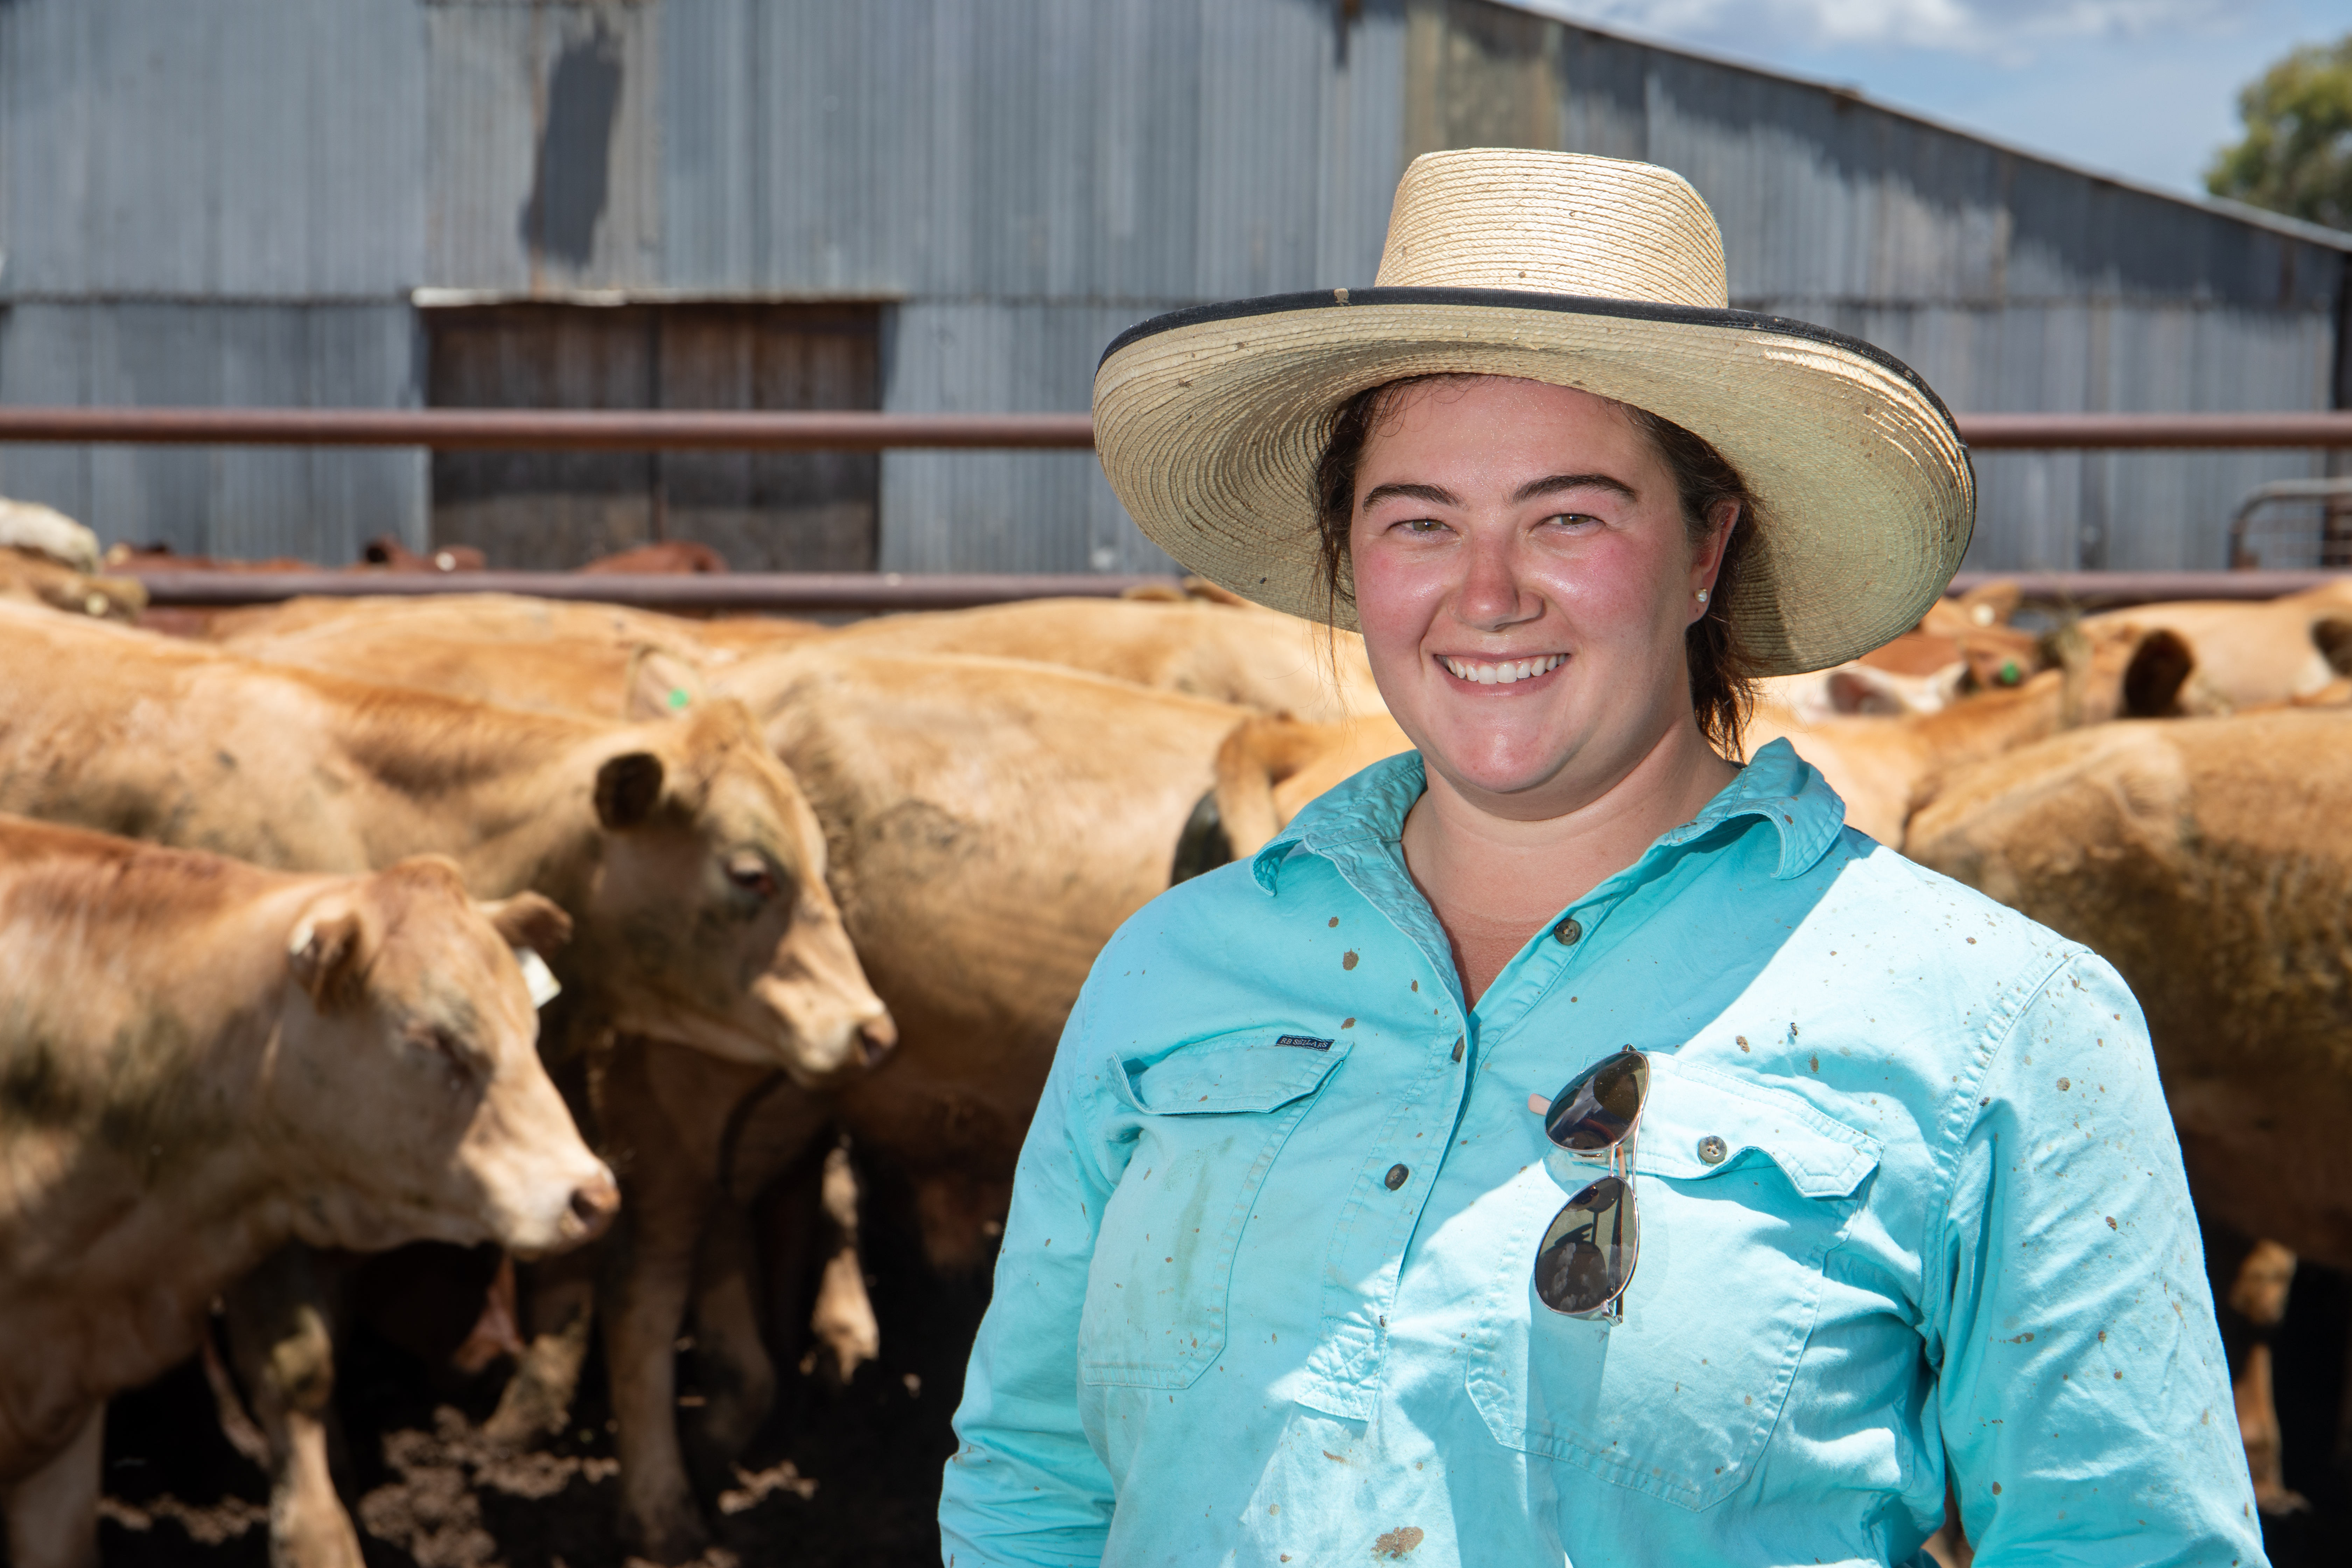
[678,697]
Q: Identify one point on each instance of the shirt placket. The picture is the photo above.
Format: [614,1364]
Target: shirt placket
[1364,1268]
[1393,1179]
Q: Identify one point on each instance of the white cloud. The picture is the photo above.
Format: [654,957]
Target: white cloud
[2001,29]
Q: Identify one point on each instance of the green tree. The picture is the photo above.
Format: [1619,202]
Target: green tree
[2296,155]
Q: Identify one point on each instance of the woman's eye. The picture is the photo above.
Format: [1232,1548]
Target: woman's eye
[1422,525]
[1572,520]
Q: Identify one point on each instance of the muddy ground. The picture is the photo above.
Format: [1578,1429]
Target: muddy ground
[839,1476]
[847,1476]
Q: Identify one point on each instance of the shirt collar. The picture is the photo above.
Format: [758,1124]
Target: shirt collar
[1777,786]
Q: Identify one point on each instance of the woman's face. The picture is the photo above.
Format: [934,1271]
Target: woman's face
[1524,578]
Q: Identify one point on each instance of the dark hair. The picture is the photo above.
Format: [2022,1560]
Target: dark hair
[1721,689]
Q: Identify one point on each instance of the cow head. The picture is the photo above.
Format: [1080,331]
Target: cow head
[406,1084]
[2119,671]
[709,922]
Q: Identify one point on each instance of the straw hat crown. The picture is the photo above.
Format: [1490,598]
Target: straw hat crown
[1587,272]
[1553,223]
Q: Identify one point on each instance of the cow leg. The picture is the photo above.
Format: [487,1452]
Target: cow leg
[53,1512]
[736,1375]
[643,1306]
[847,1334]
[666,1190]
[2258,1294]
[538,1398]
[278,1333]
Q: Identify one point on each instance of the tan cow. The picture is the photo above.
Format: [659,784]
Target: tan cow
[543,655]
[1881,766]
[1270,768]
[590,658]
[688,860]
[1217,649]
[686,856]
[200,1061]
[33,578]
[989,823]
[2207,860]
[2254,654]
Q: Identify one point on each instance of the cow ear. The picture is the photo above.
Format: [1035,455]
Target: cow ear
[661,685]
[627,788]
[530,920]
[327,954]
[2159,666]
[2333,637]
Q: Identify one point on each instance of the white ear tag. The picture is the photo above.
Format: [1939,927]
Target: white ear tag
[537,976]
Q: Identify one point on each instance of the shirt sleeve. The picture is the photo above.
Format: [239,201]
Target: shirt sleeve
[2082,1389]
[1024,1486]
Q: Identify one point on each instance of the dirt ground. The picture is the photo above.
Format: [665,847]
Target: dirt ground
[847,1476]
[838,1478]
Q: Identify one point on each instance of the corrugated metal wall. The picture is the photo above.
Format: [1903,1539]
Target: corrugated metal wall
[214,203]
[231,202]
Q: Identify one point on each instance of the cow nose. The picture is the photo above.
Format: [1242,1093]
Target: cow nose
[593,1205]
[874,1038]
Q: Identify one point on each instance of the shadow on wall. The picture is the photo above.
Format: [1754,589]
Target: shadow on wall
[572,176]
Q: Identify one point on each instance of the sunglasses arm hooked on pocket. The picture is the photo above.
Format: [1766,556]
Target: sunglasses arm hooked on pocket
[1586,1260]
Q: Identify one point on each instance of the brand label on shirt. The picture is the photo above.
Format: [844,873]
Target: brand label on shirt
[1308,1041]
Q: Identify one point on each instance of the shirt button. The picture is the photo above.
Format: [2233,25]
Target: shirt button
[1711,1149]
[1397,1176]
[1568,932]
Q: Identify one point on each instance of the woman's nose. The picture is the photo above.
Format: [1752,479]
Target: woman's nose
[1492,596]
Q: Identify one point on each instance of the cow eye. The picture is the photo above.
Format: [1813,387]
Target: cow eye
[463,1062]
[753,873]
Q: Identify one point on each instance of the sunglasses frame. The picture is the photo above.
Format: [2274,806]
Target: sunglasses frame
[1618,1154]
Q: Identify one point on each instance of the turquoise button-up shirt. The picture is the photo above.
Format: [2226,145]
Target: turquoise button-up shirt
[1266,1292]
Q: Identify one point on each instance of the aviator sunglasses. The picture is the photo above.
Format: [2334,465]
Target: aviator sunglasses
[1586,1257]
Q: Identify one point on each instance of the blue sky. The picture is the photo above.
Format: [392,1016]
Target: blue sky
[2145,88]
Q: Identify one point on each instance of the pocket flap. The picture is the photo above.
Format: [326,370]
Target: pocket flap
[1688,1104]
[1249,1072]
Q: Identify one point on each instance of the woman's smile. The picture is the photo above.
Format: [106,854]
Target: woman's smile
[1472,669]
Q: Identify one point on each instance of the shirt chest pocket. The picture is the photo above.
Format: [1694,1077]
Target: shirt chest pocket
[1208,1122]
[1742,1191]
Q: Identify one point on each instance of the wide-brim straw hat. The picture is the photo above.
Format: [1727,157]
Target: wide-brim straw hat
[1585,272]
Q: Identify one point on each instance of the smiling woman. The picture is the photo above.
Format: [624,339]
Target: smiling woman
[1566,1141]
[1707,488]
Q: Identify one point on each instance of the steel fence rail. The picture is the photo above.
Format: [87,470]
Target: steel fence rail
[538,429]
[2014,432]
[544,430]
[733,592]
[808,592]
[2117,589]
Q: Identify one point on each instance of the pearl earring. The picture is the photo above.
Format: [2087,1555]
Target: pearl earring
[1701,596]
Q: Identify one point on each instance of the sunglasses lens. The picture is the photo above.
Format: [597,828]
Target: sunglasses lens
[1588,1254]
[1600,1104]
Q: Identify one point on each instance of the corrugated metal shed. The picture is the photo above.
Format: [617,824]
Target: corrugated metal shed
[236,202]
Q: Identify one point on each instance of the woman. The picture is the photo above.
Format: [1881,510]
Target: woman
[1312,1257]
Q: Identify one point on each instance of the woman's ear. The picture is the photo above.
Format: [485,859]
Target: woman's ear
[1706,556]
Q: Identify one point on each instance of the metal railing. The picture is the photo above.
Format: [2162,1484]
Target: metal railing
[450,429]
[729,593]
[536,429]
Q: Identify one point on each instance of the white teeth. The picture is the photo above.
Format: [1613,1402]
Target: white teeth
[1505,674]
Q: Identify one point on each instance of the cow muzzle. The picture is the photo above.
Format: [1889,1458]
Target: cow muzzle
[590,1213]
[827,1036]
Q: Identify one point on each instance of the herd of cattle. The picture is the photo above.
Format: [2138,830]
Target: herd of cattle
[281,891]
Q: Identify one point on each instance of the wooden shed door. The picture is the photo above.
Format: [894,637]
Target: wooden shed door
[780,511]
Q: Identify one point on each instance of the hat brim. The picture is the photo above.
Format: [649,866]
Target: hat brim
[1209,423]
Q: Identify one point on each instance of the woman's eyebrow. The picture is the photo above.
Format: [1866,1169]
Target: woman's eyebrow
[1433,494]
[1553,484]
